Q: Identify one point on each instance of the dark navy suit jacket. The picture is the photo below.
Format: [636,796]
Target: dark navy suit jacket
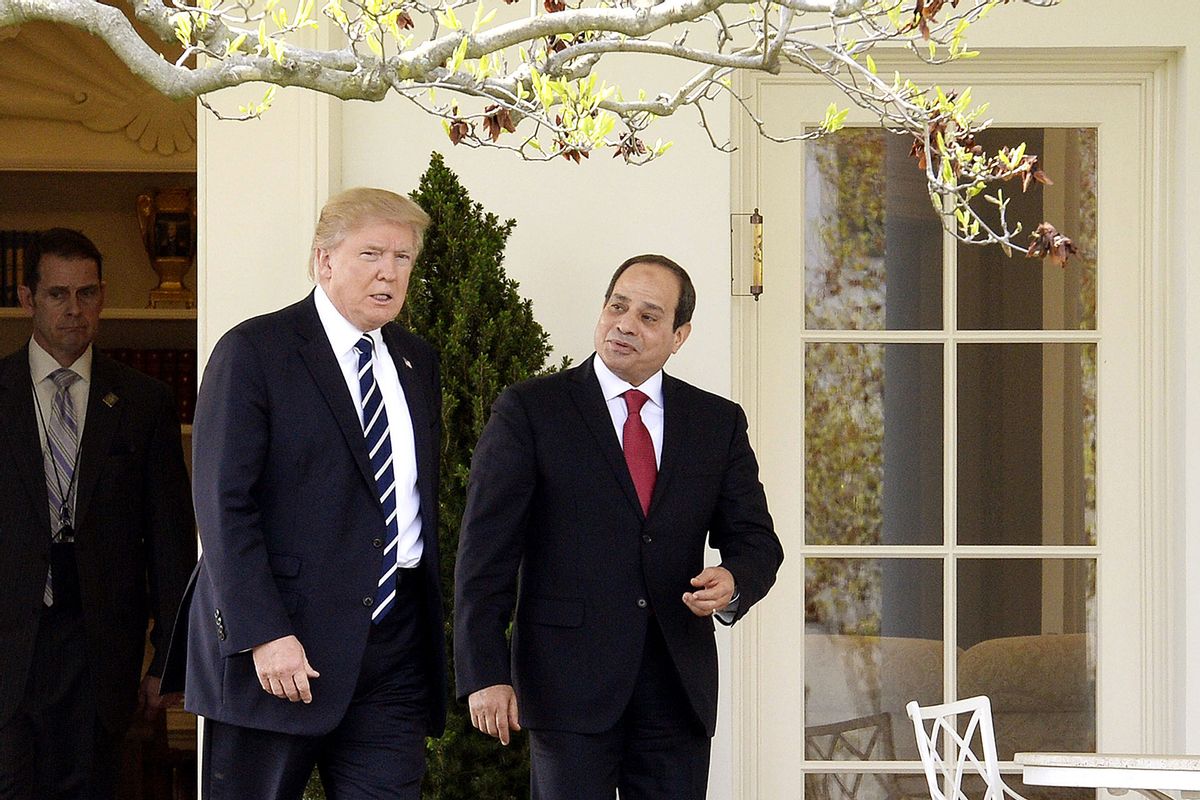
[290,523]
[550,497]
[134,536]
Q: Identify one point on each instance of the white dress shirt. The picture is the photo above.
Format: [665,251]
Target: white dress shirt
[41,364]
[343,336]
[652,416]
[652,412]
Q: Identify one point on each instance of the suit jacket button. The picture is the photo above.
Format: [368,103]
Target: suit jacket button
[368,601]
[377,543]
[642,602]
[647,538]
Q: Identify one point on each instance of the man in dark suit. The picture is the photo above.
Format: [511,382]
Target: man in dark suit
[315,622]
[96,535]
[599,486]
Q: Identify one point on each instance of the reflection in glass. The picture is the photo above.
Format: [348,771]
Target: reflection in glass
[873,244]
[996,292]
[873,443]
[873,641]
[865,786]
[1027,444]
[1026,635]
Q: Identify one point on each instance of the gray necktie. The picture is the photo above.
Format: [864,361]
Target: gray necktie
[62,447]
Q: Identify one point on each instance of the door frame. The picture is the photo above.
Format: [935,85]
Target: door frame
[1152,73]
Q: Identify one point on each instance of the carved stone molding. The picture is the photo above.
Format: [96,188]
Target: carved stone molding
[59,73]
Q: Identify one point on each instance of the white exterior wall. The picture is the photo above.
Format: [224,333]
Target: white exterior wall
[262,183]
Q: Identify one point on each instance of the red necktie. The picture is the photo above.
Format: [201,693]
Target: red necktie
[639,449]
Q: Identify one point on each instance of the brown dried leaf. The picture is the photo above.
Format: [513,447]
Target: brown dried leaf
[497,119]
[630,146]
[1047,242]
[918,152]
[459,130]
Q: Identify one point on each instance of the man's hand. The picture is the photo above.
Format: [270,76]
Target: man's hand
[150,702]
[715,586]
[283,669]
[494,711]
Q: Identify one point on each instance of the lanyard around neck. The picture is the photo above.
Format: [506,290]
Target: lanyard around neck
[64,513]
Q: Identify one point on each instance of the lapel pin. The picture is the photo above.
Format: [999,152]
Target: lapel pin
[110,399]
[407,363]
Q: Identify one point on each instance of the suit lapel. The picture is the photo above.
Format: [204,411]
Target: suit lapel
[104,408]
[20,429]
[675,414]
[327,374]
[589,399]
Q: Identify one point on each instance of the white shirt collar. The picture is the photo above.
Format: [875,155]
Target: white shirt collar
[614,387]
[41,363]
[343,335]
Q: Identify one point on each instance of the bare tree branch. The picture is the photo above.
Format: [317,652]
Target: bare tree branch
[532,84]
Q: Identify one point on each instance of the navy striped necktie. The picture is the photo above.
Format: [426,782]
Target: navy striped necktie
[379,447]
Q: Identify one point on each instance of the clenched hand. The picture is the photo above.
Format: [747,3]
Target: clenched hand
[494,711]
[283,669]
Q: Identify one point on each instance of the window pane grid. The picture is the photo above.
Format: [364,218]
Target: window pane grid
[954,555]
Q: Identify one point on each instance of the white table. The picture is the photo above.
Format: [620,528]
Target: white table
[1151,775]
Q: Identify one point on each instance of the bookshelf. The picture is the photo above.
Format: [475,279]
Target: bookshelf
[101,203]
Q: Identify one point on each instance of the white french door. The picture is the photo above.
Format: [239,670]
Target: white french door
[957,446]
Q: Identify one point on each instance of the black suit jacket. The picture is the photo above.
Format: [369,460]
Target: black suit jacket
[290,523]
[134,532]
[550,498]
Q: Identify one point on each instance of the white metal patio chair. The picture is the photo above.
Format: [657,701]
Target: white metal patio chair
[946,748]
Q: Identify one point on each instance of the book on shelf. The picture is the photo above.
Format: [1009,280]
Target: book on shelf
[173,366]
[12,264]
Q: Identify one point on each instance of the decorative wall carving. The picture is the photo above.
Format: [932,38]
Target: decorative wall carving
[59,73]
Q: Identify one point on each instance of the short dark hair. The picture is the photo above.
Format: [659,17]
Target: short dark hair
[62,242]
[687,292]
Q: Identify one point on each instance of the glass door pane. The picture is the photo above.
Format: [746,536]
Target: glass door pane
[1027,639]
[873,245]
[873,443]
[1027,443]
[999,292]
[872,642]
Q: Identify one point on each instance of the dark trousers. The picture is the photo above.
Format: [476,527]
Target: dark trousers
[55,746]
[376,751]
[658,750]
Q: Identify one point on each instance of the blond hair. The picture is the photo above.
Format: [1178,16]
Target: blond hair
[349,210]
